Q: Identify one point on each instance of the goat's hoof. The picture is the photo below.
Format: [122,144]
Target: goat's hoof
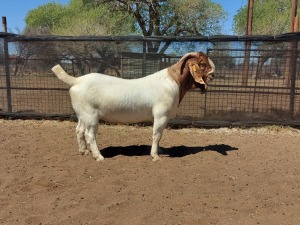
[99,158]
[156,158]
[84,151]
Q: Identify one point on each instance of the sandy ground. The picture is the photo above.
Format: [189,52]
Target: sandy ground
[218,176]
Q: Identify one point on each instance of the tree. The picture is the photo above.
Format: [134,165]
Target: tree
[25,51]
[163,17]
[269,17]
[167,18]
[78,19]
[45,16]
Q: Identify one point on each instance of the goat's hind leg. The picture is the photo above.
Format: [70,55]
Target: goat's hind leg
[80,132]
[90,135]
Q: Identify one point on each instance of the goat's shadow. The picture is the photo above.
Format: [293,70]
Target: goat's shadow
[176,151]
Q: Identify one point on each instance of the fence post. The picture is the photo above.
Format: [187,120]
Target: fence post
[144,58]
[6,64]
[293,70]
[205,95]
[294,27]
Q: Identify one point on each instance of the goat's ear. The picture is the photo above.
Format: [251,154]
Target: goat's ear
[196,73]
[212,65]
[186,57]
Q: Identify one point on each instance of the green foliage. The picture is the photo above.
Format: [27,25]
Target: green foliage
[197,17]
[269,17]
[46,16]
[83,20]
[118,17]
[77,19]
[162,17]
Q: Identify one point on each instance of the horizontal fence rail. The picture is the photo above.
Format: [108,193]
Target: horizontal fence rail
[256,80]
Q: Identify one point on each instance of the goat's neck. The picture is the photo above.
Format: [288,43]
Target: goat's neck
[185,81]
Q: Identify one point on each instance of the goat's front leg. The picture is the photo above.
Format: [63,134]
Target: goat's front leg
[158,128]
[90,135]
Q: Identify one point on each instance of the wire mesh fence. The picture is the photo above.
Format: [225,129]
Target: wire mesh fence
[257,85]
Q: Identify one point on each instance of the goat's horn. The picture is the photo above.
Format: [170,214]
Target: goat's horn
[189,55]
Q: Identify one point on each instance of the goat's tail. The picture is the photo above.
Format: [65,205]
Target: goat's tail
[62,75]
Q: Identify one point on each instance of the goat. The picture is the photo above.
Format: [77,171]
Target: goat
[155,97]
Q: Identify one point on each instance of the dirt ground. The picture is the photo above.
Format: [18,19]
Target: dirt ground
[217,176]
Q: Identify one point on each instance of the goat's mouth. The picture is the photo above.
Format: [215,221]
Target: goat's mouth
[202,87]
[209,77]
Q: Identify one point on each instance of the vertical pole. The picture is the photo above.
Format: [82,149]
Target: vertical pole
[293,15]
[294,26]
[293,71]
[4,24]
[249,17]
[144,58]
[6,64]
[205,95]
[248,43]
[122,65]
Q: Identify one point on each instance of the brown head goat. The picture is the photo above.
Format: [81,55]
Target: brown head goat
[155,97]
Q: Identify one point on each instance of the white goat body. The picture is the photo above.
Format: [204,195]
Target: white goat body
[122,100]
[155,97]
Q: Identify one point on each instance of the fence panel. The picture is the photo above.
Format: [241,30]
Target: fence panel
[267,96]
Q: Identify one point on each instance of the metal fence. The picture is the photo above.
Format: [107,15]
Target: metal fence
[256,85]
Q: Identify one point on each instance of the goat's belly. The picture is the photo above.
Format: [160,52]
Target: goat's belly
[126,116]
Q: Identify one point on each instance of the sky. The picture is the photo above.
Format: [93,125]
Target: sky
[15,12]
